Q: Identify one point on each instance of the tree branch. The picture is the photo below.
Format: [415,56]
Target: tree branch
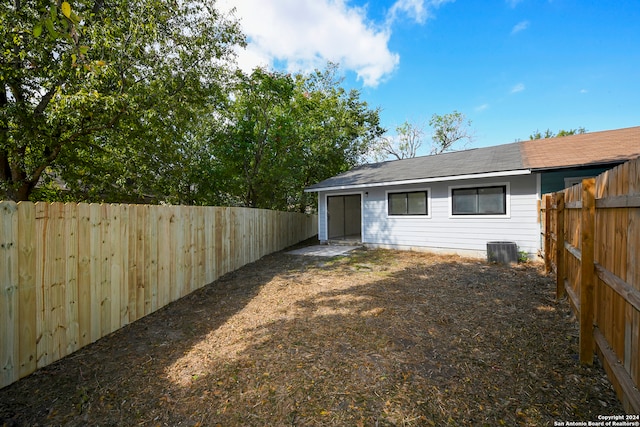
[44,102]
[88,131]
[16,91]
[35,177]
[5,167]
[97,7]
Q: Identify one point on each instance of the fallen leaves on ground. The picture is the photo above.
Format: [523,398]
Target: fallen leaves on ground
[379,337]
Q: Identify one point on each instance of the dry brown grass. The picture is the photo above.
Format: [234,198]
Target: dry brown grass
[377,338]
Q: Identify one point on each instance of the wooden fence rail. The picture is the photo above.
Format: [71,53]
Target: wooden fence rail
[73,273]
[591,240]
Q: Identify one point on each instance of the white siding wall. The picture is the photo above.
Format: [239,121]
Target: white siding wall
[441,231]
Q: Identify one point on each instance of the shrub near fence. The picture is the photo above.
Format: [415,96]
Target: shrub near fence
[73,273]
[592,238]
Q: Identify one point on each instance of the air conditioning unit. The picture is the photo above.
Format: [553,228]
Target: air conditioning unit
[502,252]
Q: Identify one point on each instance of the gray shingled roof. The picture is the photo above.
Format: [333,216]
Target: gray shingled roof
[475,161]
[604,147]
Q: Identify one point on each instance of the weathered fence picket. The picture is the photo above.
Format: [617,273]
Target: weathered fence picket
[592,236]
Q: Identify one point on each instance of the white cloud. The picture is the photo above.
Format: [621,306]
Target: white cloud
[301,35]
[584,91]
[513,3]
[413,8]
[482,107]
[520,26]
[418,10]
[517,88]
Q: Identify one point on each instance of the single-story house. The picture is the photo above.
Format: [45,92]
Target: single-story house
[457,202]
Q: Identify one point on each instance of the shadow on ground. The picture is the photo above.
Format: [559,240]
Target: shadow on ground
[375,338]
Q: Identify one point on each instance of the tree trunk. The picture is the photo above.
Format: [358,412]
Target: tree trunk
[23,192]
[16,191]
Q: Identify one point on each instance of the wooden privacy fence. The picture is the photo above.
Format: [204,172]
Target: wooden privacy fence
[73,273]
[591,241]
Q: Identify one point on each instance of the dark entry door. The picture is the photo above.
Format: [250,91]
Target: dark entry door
[344,217]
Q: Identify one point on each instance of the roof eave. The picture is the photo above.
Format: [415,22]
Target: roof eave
[420,180]
[581,165]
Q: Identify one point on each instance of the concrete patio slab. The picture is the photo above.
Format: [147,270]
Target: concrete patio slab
[323,250]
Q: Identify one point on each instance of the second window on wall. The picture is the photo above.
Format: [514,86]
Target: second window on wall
[479,200]
[408,203]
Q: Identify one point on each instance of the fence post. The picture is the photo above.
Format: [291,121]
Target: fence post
[560,238]
[587,231]
[547,233]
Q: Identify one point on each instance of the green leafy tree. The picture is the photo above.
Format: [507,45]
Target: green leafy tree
[252,149]
[335,131]
[103,97]
[549,133]
[446,130]
[286,132]
[449,129]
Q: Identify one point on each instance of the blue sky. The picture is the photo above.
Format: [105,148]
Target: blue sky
[511,66]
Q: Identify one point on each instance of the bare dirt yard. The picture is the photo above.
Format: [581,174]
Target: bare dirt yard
[376,338]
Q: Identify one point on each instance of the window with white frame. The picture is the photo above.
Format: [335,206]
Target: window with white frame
[408,203]
[490,200]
